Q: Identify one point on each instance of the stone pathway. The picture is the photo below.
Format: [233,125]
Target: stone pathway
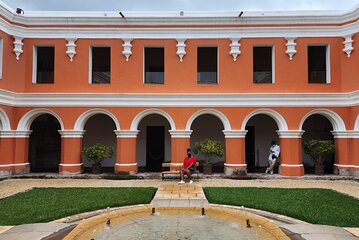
[176,195]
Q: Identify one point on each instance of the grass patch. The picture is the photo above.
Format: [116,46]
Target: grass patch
[47,204]
[318,206]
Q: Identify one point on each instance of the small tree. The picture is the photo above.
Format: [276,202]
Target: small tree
[97,154]
[209,148]
[317,150]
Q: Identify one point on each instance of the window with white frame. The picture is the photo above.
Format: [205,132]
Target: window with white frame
[100,65]
[44,64]
[207,65]
[263,62]
[154,65]
[318,64]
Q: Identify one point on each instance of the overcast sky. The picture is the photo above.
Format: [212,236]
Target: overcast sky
[180,5]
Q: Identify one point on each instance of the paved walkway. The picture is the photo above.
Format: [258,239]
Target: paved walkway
[175,195]
[13,186]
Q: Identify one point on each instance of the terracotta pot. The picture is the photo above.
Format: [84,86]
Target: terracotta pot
[96,168]
[207,168]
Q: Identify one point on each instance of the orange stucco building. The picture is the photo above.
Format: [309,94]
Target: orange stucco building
[72,79]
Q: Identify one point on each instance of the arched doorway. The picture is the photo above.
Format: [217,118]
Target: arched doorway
[45,144]
[153,146]
[99,128]
[208,126]
[317,127]
[261,131]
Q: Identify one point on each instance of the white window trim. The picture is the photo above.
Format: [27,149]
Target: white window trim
[34,61]
[144,63]
[210,45]
[327,61]
[90,61]
[1,56]
[273,60]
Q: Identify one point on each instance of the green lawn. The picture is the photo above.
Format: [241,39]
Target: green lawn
[47,204]
[318,206]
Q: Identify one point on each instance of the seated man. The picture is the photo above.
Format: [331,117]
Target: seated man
[274,152]
[189,164]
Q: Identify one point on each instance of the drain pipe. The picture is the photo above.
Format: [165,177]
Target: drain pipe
[153,211]
[203,212]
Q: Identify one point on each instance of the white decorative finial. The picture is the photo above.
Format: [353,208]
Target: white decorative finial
[127,48]
[18,46]
[290,47]
[181,48]
[348,45]
[235,51]
[71,48]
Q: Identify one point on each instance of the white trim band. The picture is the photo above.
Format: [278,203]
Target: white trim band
[71,165]
[126,133]
[346,166]
[126,164]
[180,133]
[234,165]
[15,134]
[14,165]
[71,133]
[292,165]
[235,133]
[345,134]
[290,133]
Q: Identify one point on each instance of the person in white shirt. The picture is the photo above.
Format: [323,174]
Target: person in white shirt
[274,152]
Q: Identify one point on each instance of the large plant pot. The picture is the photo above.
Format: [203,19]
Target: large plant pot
[96,168]
[207,168]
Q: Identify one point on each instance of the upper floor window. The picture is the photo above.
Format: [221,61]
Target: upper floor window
[1,53]
[263,71]
[44,64]
[100,64]
[318,64]
[207,65]
[154,65]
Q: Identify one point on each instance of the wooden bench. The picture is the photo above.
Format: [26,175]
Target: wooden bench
[166,169]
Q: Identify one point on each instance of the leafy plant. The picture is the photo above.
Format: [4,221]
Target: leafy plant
[209,148]
[97,153]
[317,149]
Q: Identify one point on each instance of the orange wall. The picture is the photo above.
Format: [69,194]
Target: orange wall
[127,77]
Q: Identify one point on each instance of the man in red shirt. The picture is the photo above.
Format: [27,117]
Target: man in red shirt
[189,163]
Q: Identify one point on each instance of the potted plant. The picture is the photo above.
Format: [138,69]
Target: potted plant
[209,149]
[317,150]
[96,154]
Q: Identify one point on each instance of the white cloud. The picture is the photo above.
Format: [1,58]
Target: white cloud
[180,5]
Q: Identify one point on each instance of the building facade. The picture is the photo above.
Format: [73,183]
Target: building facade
[152,84]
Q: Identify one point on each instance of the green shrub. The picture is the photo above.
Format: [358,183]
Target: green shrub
[317,149]
[209,148]
[97,153]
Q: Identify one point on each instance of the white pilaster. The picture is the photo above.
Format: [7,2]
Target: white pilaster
[348,45]
[18,46]
[235,51]
[127,48]
[181,48]
[290,47]
[71,48]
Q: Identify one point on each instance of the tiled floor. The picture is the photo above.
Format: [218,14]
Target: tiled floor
[179,195]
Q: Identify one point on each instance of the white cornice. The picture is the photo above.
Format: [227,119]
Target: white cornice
[175,18]
[181,33]
[179,99]
[289,24]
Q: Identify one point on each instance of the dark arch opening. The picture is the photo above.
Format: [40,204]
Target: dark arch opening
[317,127]
[261,131]
[45,144]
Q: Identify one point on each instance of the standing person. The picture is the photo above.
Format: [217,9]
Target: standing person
[274,152]
[189,163]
